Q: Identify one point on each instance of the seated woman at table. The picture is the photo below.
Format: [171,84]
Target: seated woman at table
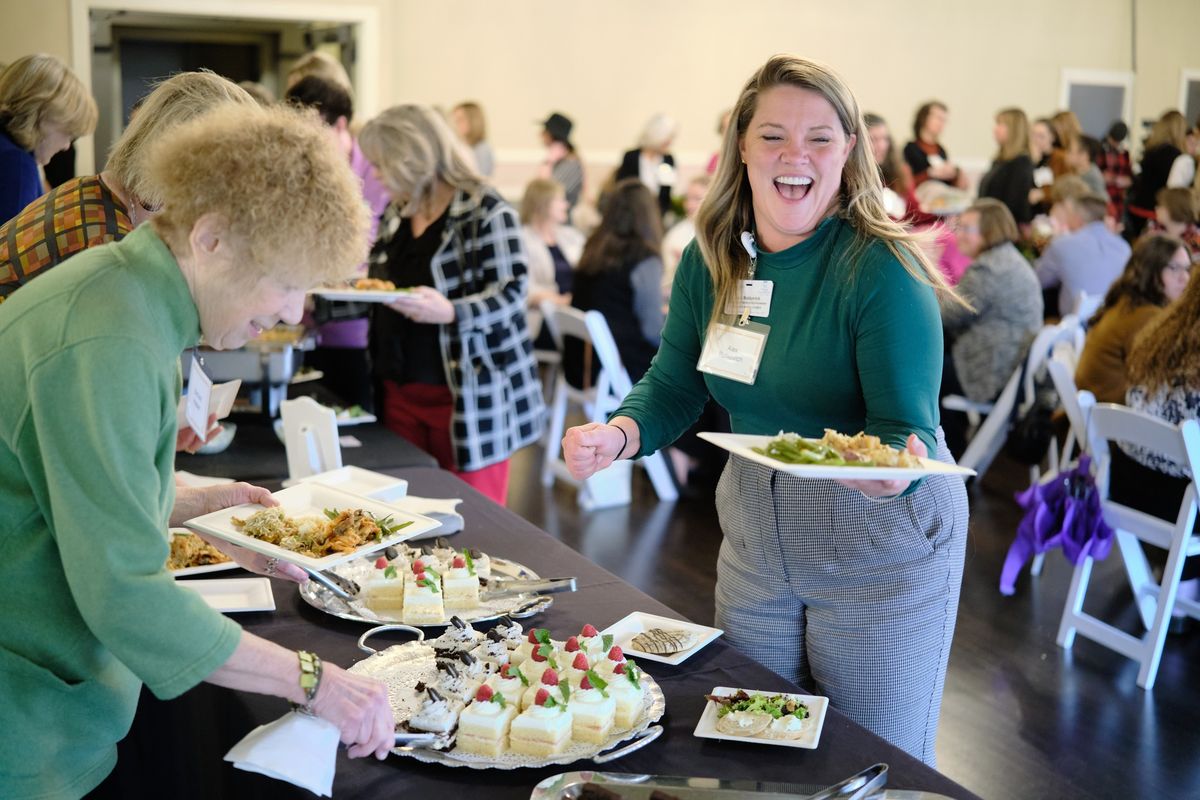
[620,275]
[553,248]
[453,355]
[256,210]
[43,108]
[1164,381]
[985,343]
[1156,275]
[848,586]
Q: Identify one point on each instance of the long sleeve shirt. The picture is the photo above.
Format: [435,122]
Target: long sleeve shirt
[87,454]
[853,345]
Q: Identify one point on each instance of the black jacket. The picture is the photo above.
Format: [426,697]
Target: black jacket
[1010,182]
[629,169]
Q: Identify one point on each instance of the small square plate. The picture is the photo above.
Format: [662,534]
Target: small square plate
[310,499]
[706,728]
[623,631]
[365,482]
[361,295]
[234,595]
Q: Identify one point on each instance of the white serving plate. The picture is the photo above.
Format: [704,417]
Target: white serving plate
[311,499]
[344,418]
[186,571]
[741,444]
[365,482]
[360,295]
[234,595]
[623,631]
[706,728]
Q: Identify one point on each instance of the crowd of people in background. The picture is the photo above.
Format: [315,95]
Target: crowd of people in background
[1048,225]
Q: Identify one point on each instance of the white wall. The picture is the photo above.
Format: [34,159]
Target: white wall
[610,65]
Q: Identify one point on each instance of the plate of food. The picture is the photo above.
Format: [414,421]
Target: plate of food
[353,415]
[835,455]
[363,290]
[314,526]
[429,585]
[513,699]
[191,555]
[742,715]
[655,638]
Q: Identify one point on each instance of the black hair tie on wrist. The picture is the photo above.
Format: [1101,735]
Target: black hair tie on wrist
[624,442]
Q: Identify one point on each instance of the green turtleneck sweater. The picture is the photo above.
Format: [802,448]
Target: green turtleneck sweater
[90,377]
[851,347]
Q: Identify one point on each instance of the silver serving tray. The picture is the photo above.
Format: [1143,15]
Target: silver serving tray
[399,675]
[567,786]
[518,606]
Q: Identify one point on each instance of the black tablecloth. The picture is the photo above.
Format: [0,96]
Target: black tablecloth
[175,748]
[256,454]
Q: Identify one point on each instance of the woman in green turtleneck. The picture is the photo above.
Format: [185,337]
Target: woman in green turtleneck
[851,587]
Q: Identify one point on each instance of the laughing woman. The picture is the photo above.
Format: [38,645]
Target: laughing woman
[851,587]
[256,208]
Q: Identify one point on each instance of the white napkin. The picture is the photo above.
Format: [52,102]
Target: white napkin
[444,510]
[298,748]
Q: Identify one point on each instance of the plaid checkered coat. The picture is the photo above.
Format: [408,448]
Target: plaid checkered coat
[481,267]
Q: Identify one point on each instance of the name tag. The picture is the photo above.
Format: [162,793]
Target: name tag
[199,392]
[734,351]
[755,296]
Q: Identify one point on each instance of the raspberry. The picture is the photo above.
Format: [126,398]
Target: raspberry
[619,669]
[459,562]
[541,697]
[580,661]
[585,683]
[572,645]
[589,631]
[381,563]
[538,657]
[550,677]
[418,566]
[483,693]
[532,637]
[615,654]
[506,671]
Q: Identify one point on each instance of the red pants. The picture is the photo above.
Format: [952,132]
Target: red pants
[421,414]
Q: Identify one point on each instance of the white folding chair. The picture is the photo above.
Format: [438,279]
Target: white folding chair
[1087,304]
[609,487]
[1155,601]
[990,434]
[550,361]
[310,434]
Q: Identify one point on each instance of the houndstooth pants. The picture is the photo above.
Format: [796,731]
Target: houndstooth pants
[853,597]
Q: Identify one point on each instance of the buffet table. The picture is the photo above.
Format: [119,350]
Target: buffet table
[176,748]
[257,455]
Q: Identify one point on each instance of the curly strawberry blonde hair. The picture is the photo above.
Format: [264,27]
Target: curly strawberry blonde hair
[274,179]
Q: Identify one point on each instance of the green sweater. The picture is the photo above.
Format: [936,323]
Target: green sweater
[848,349]
[90,377]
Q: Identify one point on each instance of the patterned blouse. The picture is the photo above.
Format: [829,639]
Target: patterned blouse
[79,214]
[1174,403]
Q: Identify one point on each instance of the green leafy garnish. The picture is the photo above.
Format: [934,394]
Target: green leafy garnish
[633,673]
[433,572]
[564,688]
[607,641]
[470,562]
[432,584]
[546,651]
[499,698]
[332,513]
[542,635]
[549,703]
[390,571]
[519,674]
[386,528]
[597,682]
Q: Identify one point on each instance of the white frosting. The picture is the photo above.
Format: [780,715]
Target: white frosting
[434,716]
[542,712]
[513,634]
[485,708]
[588,696]
[459,574]
[507,685]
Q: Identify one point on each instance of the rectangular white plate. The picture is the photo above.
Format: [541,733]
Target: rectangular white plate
[360,295]
[233,595]
[365,482]
[624,629]
[304,500]
[740,444]
[706,728]
[186,571]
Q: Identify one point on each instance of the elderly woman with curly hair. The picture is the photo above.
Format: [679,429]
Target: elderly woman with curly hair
[256,209]
[453,355]
[43,108]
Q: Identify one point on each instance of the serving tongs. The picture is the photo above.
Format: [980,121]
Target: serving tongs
[493,588]
[345,590]
[870,783]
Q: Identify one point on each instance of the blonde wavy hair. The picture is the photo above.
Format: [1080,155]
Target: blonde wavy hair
[539,194]
[413,148]
[1171,128]
[321,65]
[1167,350]
[39,89]
[285,194]
[1017,125]
[728,209]
[174,101]
[476,124]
